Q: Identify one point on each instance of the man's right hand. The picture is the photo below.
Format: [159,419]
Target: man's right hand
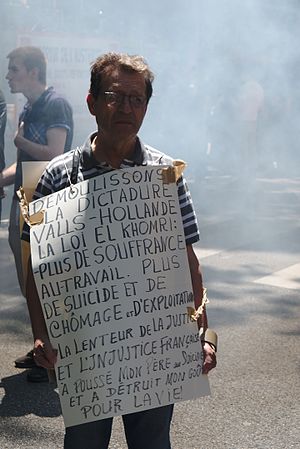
[44,354]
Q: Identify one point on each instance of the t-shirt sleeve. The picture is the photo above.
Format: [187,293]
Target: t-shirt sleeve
[189,219]
[60,114]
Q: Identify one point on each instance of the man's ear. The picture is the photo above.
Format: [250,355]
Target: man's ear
[34,73]
[91,103]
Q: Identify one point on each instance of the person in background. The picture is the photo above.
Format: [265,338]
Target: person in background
[120,89]
[2,132]
[45,130]
[250,104]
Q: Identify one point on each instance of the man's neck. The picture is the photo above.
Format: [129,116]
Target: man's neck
[35,93]
[112,152]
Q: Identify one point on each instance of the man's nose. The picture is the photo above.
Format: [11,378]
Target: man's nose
[125,104]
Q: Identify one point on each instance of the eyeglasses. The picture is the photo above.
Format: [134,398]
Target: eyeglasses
[118,98]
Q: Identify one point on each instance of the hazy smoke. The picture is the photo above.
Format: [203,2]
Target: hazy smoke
[202,53]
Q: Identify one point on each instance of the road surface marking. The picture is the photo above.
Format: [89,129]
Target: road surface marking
[287,278]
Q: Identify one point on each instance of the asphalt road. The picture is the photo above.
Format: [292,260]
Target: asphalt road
[250,253]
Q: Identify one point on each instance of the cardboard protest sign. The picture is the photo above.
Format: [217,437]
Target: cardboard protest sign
[112,274]
[31,173]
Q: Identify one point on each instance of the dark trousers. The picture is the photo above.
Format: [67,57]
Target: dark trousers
[149,429]
[14,240]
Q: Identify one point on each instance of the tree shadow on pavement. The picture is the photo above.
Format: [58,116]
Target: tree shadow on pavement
[21,398]
[235,298]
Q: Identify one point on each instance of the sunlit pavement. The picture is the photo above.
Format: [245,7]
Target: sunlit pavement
[250,254]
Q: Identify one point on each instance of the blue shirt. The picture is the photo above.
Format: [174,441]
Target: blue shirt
[50,110]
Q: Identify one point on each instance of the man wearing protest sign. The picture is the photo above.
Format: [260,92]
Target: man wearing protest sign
[120,89]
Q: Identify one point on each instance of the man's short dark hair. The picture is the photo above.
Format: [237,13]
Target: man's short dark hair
[109,62]
[32,57]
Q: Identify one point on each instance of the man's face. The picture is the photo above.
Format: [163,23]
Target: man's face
[18,76]
[121,105]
